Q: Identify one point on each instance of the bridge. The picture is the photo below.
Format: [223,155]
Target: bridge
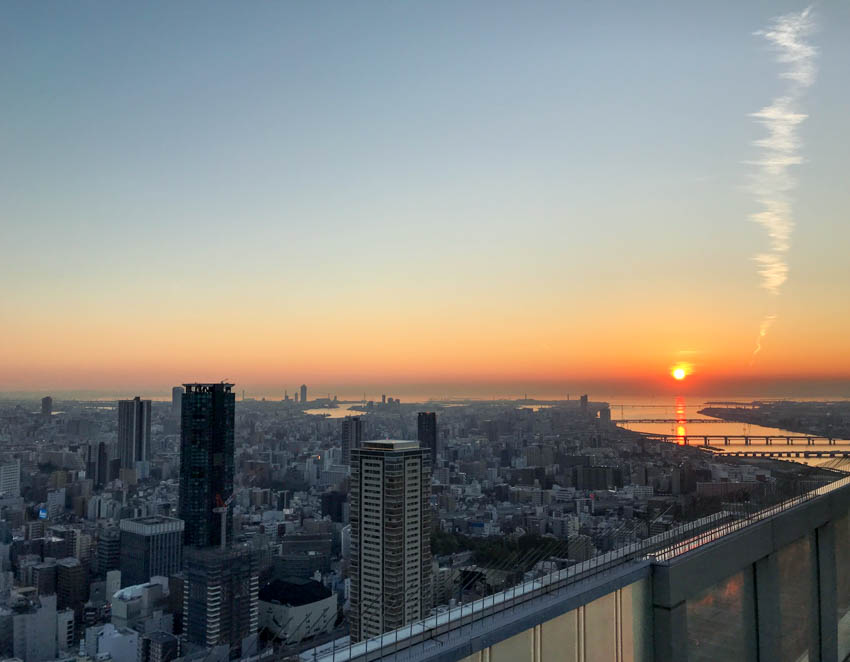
[795,454]
[669,421]
[747,440]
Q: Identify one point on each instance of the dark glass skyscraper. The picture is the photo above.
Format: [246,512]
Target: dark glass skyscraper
[426,427]
[206,460]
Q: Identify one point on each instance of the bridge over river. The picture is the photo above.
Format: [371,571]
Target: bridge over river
[748,440]
[789,454]
[669,421]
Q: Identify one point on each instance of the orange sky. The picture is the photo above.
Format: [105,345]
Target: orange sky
[421,195]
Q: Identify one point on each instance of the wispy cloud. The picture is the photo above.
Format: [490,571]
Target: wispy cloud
[766,323]
[773,183]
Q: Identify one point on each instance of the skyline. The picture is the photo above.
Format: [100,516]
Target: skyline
[424,199]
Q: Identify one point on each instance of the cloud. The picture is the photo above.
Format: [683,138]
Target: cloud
[773,183]
[780,148]
[766,323]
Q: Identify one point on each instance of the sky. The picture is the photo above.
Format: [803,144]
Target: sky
[442,196]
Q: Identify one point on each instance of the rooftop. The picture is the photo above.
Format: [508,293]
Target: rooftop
[294,592]
[196,387]
[390,444]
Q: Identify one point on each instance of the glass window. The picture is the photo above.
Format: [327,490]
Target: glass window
[721,621]
[794,567]
[842,576]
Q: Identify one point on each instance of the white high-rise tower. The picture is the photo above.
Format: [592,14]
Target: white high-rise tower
[390,536]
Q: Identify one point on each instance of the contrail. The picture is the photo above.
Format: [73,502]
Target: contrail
[766,323]
[780,149]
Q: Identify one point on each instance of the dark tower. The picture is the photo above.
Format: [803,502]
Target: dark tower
[134,432]
[206,460]
[426,426]
[352,435]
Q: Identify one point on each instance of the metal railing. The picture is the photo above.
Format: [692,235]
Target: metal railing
[455,622]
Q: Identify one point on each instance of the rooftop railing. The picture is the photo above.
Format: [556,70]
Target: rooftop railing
[455,622]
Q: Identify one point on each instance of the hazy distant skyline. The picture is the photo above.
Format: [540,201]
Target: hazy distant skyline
[406,194]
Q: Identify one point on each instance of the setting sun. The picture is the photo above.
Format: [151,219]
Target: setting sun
[679,373]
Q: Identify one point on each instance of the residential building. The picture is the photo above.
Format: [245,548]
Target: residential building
[390,536]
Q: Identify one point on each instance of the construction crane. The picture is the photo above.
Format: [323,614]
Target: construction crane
[221,509]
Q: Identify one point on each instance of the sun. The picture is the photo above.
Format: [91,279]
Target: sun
[679,374]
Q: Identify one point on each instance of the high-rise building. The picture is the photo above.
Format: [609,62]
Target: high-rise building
[97,464]
[220,598]
[176,402]
[352,435]
[390,536]
[108,549]
[150,547]
[134,431]
[206,460]
[303,393]
[46,405]
[10,478]
[71,586]
[426,428]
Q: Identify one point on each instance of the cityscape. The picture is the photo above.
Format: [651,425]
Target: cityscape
[424,332]
[209,528]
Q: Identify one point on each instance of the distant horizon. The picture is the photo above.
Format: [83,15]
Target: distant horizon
[837,389]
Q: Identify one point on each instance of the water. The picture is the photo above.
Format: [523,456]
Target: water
[336,412]
[687,423]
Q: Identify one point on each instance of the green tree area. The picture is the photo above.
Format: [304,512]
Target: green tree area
[492,551]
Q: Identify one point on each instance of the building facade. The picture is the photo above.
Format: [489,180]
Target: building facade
[426,429]
[390,536]
[220,599]
[159,647]
[352,436]
[134,432]
[206,460]
[150,546]
[10,479]
[71,586]
[176,402]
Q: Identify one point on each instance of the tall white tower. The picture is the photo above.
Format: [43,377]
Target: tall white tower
[390,536]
